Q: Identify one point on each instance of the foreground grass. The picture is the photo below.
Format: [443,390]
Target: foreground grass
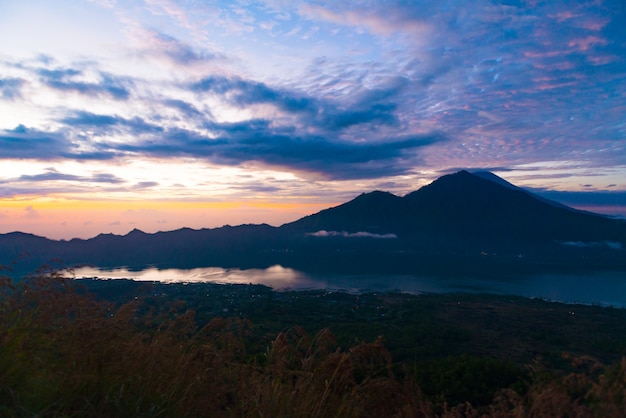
[65,353]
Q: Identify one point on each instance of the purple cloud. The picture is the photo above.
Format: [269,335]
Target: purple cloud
[65,79]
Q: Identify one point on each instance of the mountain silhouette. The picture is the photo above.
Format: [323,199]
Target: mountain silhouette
[478,208]
[374,212]
[462,222]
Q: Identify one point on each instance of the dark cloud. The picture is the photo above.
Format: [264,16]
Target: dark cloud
[245,92]
[390,185]
[49,176]
[33,144]
[82,118]
[22,142]
[185,108]
[325,145]
[256,141]
[53,181]
[90,155]
[27,143]
[388,89]
[58,74]
[65,79]
[369,106]
[105,178]
[10,88]
[108,123]
[503,82]
[377,113]
[54,175]
[145,184]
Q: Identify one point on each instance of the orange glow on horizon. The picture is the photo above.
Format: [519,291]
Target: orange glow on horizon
[80,204]
[72,218]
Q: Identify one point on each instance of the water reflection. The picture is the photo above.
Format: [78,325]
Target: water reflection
[276,277]
[602,288]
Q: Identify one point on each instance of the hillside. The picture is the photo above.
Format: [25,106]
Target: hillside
[462,222]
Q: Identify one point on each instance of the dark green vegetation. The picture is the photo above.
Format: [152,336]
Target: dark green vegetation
[121,348]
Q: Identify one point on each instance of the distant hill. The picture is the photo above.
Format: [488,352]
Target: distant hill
[462,223]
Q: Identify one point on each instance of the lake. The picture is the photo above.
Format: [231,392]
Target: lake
[601,288]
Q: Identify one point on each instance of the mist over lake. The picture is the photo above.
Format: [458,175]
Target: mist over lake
[594,288]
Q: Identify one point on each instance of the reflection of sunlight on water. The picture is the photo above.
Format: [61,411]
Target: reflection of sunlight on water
[601,288]
[276,277]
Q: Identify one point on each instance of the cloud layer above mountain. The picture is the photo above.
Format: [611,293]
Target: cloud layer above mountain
[272,97]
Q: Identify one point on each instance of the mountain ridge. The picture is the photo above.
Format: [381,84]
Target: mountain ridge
[456,219]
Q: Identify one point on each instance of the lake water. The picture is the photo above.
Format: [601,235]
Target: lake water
[602,288]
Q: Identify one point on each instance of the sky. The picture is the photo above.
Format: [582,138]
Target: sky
[162,114]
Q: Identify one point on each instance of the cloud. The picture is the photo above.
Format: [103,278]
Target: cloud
[10,88]
[242,92]
[491,67]
[145,184]
[308,135]
[368,106]
[23,142]
[104,178]
[54,182]
[259,140]
[72,80]
[160,45]
[54,175]
[344,234]
[188,110]
[236,143]
[393,19]
[51,175]
[111,123]
[395,86]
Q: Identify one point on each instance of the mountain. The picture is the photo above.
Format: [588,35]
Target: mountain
[462,223]
[491,210]
[470,207]
[374,212]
